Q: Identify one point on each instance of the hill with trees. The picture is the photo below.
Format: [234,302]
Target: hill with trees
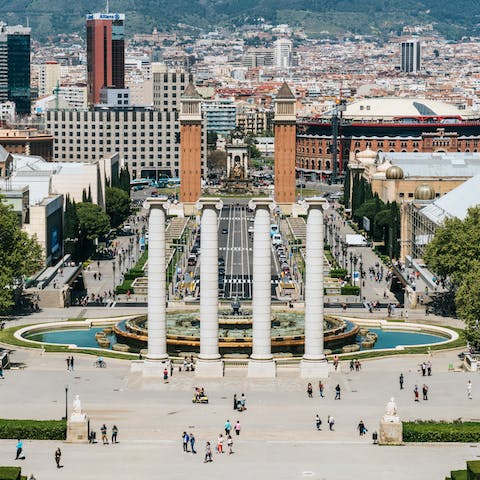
[317,17]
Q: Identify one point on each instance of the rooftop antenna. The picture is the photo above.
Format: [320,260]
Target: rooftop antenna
[107,7]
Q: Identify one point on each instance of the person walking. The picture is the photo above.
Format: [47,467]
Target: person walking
[321,387]
[71,363]
[228,427]
[338,392]
[1,372]
[362,430]
[58,456]
[68,363]
[318,422]
[331,422]
[310,390]
[220,443]
[469,389]
[425,392]
[401,379]
[185,439]
[415,393]
[103,431]
[208,453]
[238,427]
[114,434]
[235,401]
[19,455]
[192,444]
[429,368]
[230,444]
[165,375]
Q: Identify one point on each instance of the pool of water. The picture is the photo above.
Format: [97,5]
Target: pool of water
[393,338]
[86,337]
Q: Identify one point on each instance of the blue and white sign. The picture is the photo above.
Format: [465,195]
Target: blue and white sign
[106,16]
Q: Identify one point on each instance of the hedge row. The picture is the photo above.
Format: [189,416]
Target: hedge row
[33,429]
[430,431]
[124,287]
[11,473]
[471,473]
[338,273]
[350,290]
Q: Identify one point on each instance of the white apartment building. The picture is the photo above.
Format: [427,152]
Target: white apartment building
[282,53]
[168,86]
[147,140]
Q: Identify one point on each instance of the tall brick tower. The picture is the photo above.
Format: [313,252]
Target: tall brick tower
[190,145]
[285,122]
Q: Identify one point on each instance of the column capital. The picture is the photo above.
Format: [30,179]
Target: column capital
[315,202]
[209,202]
[258,203]
[156,202]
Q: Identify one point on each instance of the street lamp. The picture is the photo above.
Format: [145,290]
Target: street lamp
[351,267]
[113,268]
[66,402]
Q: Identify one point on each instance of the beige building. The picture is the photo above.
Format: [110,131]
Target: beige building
[48,78]
[411,179]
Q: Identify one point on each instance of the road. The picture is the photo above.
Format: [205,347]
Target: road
[236,248]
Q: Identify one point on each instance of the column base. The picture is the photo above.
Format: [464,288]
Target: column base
[262,368]
[155,368]
[314,368]
[209,368]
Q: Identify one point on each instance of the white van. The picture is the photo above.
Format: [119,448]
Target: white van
[277,239]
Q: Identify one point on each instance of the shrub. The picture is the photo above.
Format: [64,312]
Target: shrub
[458,475]
[10,473]
[124,287]
[350,290]
[338,273]
[430,431]
[473,470]
[33,429]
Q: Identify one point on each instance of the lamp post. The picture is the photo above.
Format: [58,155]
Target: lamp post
[113,268]
[66,402]
[355,261]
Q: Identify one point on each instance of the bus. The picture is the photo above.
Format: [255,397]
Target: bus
[139,182]
[173,182]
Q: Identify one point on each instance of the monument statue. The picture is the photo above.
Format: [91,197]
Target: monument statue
[391,414]
[77,414]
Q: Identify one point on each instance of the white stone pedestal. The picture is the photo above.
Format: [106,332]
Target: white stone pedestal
[262,368]
[391,433]
[209,368]
[77,431]
[155,368]
[314,368]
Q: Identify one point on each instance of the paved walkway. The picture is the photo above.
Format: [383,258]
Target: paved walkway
[278,438]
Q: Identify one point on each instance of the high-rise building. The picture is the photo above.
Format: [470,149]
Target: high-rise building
[15,66]
[220,115]
[411,56]
[282,53]
[48,78]
[105,53]
[168,86]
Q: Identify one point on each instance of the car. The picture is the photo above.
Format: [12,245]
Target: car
[250,229]
[224,231]
[221,262]
[221,271]
[192,261]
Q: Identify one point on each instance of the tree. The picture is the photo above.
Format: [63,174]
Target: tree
[71,229]
[93,221]
[117,205]
[467,300]
[20,255]
[217,160]
[212,138]
[124,179]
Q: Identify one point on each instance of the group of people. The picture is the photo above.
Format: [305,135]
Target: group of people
[239,404]
[355,365]
[188,364]
[70,362]
[104,432]
[188,440]
[416,392]
[426,368]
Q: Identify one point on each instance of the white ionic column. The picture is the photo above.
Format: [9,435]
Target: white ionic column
[157,305]
[209,363]
[261,362]
[314,363]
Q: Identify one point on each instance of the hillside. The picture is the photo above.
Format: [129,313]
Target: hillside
[317,17]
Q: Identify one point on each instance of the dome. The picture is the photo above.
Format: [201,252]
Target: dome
[367,154]
[394,173]
[424,192]
[383,167]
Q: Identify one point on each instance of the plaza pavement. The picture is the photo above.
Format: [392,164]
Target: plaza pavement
[278,439]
